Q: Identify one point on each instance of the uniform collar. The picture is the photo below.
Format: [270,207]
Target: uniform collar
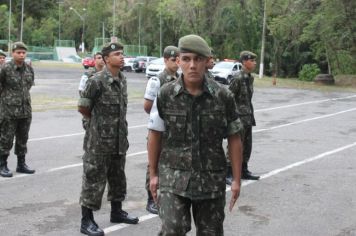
[208,88]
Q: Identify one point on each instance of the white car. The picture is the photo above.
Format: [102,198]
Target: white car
[155,67]
[224,71]
[128,64]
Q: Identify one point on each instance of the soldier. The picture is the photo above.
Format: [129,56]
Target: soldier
[16,80]
[104,101]
[194,115]
[2,59]
[242,88]
[169,74]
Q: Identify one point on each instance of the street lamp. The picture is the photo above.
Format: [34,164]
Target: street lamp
[139,28]
[83,20]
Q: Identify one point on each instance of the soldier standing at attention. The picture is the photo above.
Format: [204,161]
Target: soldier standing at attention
[16,80]
[104,101]
[242,88]
[194,115]
[169,74]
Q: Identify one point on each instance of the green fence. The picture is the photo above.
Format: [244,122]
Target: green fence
[64,43]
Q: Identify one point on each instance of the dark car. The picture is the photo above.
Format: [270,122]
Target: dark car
[140,63]
[88,62]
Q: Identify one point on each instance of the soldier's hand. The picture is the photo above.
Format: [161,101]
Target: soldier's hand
[84,111]
[154,187]
[235,193]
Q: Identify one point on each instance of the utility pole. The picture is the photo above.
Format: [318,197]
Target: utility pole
[22,7]
[260,75]
[114,18]
[9,40]
[160,30]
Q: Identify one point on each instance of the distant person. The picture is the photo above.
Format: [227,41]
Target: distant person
[169,74]
[194,114]
[104,102]
[242,88]
[210,66]
[16,80]
[2,59]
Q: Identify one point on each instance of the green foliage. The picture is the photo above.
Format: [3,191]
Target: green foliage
[308,72]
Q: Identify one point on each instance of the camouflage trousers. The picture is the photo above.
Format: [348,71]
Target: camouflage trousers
[246,146]
[99,170]
[174,211]
[14,128]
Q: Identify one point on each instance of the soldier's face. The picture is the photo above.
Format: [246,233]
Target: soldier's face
[19,55]
[193,66]
[250,65]
[115,59]
[99,60]
[171,64]
[2,60]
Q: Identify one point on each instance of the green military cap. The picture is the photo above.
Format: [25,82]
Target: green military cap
[247,55]
[170,51]
[2,53]
[194,43]
[111,47]
[19,45]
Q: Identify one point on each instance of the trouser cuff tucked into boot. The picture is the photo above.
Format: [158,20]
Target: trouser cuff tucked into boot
[22,167]
[88,225]
[119,216]
[4,171]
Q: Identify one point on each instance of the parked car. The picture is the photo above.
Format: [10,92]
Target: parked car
[155,67]
[88,62]
[140,63]
[27,60]
[224,71]
[129,61]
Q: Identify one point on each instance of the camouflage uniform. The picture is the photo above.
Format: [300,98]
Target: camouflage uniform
[105,155]
[163,78]
[192,160]
[15,106]
[242,88]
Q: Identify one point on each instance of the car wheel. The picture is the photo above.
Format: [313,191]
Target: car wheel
[86,67]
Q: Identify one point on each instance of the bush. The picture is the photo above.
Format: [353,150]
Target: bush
[308,72]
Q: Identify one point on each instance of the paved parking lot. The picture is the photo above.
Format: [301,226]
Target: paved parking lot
[304,149]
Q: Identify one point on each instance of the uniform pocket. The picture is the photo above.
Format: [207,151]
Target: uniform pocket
[175,125]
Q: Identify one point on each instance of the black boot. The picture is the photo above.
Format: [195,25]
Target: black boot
[88,225]
[119,216]
[229,176]
[22,167]
[4,171]
[246,174]
[151,205]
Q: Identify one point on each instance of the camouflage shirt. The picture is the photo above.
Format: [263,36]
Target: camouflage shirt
[106,96]
[15,84]
[165,77]
[192,161]
[242,88]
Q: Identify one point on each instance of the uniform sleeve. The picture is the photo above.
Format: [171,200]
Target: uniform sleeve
[234,125]
[152,88]
[82,83]
[156,122]
[89,94]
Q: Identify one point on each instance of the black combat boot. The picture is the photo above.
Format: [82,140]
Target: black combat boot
[119,216]
[4,171]
[246,174]
[88,225]
[151,205]
[22,167]
[229,176]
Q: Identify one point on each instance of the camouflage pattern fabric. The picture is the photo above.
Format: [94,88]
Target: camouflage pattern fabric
[97,169]
[107,98]
[192,161]
[15,107]
[242,88]
[209,75]
[104,158]
[11,128]
[163,77]
[208,215]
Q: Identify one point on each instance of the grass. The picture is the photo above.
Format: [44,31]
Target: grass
[344,83]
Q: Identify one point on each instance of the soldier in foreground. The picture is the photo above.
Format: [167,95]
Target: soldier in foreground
[169,74]
[16,80]
[242,88]
[193,116]
[104,101]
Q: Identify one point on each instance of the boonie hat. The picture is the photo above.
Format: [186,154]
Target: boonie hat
[19,45]
[247,55]
[194,43]
[111,47]
[170,51]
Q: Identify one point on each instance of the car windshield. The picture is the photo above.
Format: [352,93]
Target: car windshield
[223,65]
[158,61]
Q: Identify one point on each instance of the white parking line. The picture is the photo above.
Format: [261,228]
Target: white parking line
[248,182]
[259,110]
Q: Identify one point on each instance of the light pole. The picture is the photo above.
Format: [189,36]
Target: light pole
[160,30]
[139,27]
[83,20]
[260,75]
[9,27]
[21,20]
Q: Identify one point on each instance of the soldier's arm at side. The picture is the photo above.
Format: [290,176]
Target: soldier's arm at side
[152,87]
[85,102]
[235,152]
[147,105]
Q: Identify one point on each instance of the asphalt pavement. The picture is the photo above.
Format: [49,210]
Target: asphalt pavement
[304,148]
